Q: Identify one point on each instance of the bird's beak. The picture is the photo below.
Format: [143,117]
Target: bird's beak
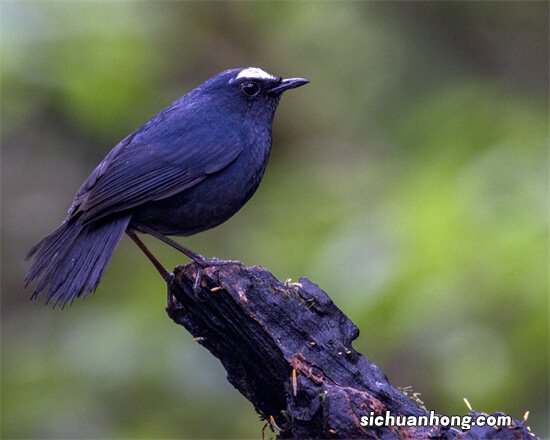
[288,83]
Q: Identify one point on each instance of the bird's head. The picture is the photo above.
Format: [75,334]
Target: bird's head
[247,90]
[253,82]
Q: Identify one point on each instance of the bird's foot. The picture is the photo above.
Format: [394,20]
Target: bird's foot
[203,262]
[171,301]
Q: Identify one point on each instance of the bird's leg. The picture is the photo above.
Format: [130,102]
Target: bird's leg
[167,276]
[201,261]
[197,258]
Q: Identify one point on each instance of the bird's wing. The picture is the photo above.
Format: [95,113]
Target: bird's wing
[140,173]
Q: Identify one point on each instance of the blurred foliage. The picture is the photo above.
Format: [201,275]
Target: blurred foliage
[409,180]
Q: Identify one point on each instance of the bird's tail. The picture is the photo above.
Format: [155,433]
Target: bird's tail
[69,262]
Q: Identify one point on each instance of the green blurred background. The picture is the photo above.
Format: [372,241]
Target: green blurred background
[409,180]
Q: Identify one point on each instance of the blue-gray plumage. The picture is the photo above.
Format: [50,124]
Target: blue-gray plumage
[188,169]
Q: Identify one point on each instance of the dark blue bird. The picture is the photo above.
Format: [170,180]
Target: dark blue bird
[188,169]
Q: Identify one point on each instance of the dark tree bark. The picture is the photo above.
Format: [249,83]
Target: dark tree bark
[288,349]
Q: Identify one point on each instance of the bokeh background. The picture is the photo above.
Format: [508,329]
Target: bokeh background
[409,180]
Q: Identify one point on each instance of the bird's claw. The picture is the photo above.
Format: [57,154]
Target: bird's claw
[203,262]
[198,279]
[170,277]
[171,302]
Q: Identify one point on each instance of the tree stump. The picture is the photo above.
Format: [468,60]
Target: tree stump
[288,349]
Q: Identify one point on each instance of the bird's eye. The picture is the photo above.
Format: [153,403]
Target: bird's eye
[250,88]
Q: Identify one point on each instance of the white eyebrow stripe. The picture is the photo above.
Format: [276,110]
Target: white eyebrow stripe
[254,73]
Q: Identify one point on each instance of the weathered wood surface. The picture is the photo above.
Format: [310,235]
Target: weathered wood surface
[288,349]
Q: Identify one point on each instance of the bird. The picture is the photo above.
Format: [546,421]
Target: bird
[188,169]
